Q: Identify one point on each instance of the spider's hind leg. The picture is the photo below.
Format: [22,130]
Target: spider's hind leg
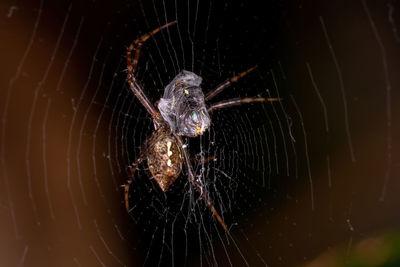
[204,160]
[128,183]
[207,200]
[198,186]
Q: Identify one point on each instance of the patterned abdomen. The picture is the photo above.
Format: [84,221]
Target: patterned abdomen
[164,158]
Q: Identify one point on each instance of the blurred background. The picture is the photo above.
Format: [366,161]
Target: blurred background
[311,180]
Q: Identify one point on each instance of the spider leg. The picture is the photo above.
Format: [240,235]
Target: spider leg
[226,84]
[239,101]
[128,183]
[206,160]
[132,66]
[197,184]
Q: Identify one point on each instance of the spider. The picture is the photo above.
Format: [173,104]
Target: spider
[182,112]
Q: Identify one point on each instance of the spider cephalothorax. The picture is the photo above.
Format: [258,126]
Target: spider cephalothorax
[183,107]
[182,111]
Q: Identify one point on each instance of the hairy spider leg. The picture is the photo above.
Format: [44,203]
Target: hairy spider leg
[226,84]
[239,101]
[198,186]
[132,66]
[128,183]
[203,161]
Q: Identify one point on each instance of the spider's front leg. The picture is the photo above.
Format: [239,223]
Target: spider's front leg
[226,84]
[234,102]
[240,101]
[132,66]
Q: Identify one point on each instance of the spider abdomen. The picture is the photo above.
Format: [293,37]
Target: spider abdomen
[164,158]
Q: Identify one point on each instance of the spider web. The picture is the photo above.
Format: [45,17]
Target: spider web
[291,179]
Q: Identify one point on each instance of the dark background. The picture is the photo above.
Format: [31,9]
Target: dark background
[60,115]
